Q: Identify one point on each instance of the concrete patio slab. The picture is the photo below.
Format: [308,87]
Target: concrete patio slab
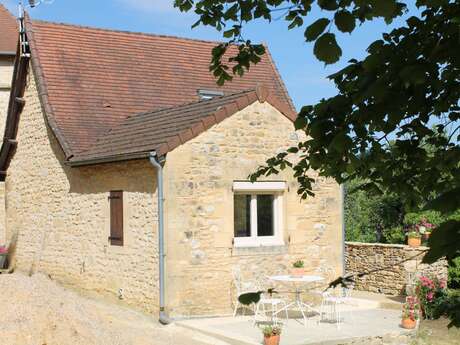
[360,326]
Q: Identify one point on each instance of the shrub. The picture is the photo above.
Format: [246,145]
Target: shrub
[394,235]
[431,293]
[454,273]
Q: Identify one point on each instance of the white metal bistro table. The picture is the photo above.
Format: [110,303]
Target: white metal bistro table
[297,281]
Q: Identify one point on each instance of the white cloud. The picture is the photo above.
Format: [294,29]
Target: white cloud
[150,5]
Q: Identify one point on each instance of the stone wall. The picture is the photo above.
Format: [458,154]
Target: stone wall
[363,257]
[59,216]
[199,198]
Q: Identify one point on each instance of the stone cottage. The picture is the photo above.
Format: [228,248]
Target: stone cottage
[102,124]
[8,42]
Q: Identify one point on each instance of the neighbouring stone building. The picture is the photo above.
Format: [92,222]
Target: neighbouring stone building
[8,41]
[92,109]
[393,276]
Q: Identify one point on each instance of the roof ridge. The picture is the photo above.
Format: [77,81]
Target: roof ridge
[140,33]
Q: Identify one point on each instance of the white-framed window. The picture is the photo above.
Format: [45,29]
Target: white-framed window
[258,213]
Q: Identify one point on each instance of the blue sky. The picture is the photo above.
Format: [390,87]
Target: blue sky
[304,76]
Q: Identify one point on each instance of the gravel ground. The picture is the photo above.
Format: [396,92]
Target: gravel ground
[36,311]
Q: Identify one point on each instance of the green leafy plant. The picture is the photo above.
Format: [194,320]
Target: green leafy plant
[271,330]
[414,234]
[298,264]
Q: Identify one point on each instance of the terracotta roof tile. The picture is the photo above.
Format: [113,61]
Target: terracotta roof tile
[93,79]
[8,32]
[163,130]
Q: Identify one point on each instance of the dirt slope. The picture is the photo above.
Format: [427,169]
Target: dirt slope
[36,311]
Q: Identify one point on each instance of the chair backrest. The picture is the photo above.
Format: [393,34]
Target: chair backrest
[243,286]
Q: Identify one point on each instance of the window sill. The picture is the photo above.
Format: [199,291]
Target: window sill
[268,249]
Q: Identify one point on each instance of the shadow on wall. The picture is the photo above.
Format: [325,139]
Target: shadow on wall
[131,176]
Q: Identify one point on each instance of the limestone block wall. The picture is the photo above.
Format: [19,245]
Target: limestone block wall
[199,199]
[58,217]
[363,257]
[6,72]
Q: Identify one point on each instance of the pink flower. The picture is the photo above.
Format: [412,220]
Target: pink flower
[442,283]
[429,296]
[3,250]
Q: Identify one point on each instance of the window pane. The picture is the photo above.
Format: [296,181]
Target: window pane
[242,215]
[265,215]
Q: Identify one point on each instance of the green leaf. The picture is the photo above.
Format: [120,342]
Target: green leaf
[344,21]
[446,203]
[444,241]
[314,30]
[328,5]
[326,49]
[249,298]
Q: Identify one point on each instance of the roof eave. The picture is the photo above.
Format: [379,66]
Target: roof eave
[76,162]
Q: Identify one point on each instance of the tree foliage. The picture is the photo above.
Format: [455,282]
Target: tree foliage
[372,218]
[406,89]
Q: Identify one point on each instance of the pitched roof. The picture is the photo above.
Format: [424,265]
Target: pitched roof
[163,130]
[8,32]
[90,80]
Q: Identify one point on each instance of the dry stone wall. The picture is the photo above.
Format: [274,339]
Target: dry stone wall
[395,279]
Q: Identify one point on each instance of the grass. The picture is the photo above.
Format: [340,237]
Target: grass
[435,332]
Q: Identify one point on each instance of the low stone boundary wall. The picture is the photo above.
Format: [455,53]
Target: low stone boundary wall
[395,279]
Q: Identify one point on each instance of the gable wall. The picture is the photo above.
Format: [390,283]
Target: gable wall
[58,217]
[199,201]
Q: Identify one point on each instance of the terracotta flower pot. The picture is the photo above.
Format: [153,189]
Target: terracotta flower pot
[272,340]
[408,323]
[298,271]
[414,241]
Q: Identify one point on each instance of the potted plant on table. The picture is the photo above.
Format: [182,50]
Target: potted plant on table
[298,268]
[3,255]
[414,239]
[272,334]
[410,314]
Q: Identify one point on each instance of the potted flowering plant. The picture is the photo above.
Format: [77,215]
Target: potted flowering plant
[272,334]
[3,255]
[425,228]
[414,238]
[410,313]
[431,293]
[298,268]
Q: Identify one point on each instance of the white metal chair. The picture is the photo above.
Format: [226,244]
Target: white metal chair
[275,305]
[242,287]
[333,300]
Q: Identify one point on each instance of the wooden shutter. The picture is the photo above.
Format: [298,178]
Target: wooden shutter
[116,218]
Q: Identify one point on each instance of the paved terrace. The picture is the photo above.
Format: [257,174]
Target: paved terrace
[364,323]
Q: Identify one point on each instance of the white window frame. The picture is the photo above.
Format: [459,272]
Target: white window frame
[275,188]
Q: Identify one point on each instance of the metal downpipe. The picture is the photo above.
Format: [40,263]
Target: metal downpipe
[154,160]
